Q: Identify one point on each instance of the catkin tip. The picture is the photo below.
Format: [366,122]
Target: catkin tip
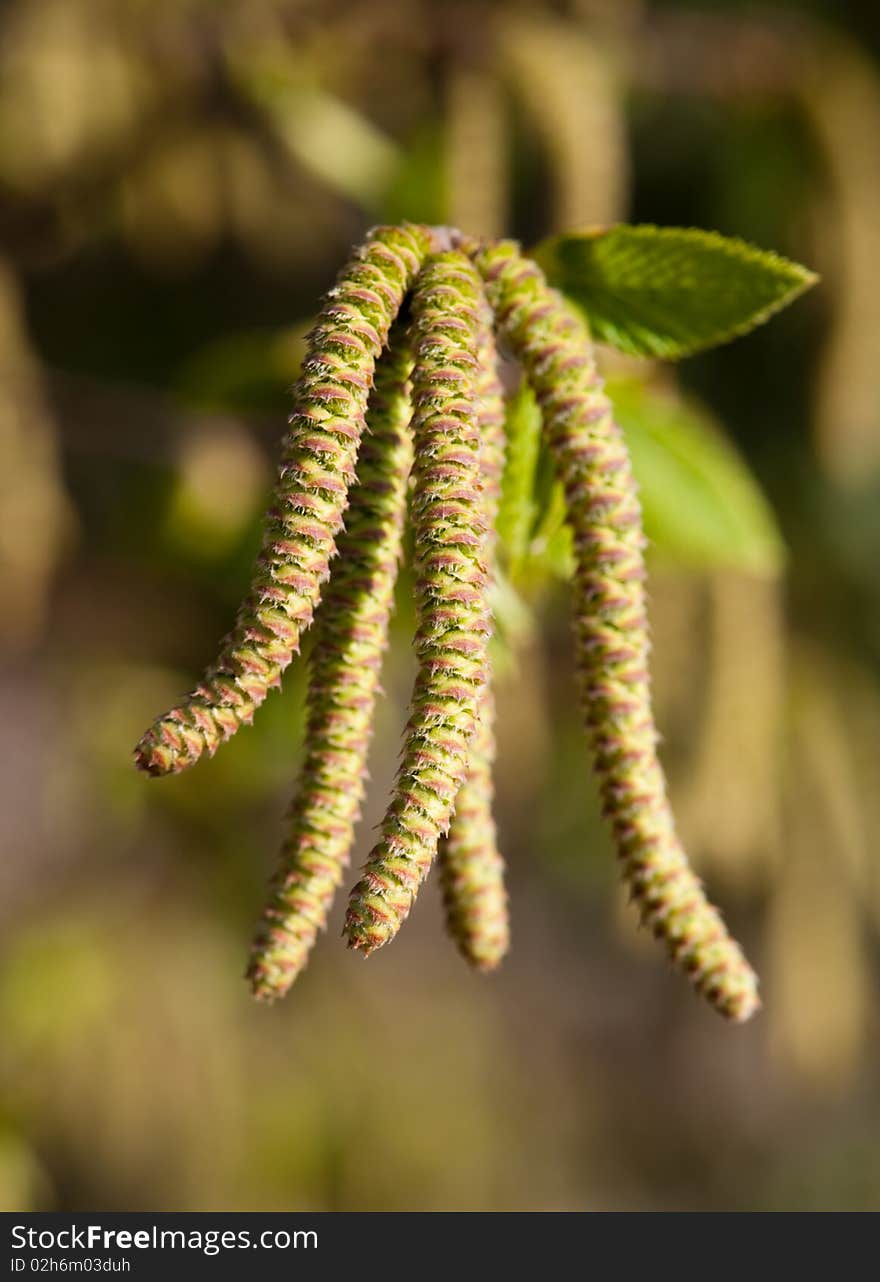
[263,990]
[739,1005]
[152,758]
[367,927]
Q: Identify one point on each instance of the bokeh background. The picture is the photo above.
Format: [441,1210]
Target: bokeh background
[179,181]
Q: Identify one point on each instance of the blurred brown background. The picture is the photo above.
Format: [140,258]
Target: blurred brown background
[179,181]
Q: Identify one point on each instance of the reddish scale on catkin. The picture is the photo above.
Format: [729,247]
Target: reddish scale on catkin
[450,538]
[308,504]
[611,629]
[351,635]
[470,865]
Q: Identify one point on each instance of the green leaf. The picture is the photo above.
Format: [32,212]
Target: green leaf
[516,509]
[669,291]
[702,508]
[551,547]
[700,503]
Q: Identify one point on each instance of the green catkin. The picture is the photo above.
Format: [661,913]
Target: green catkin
[316,470]
[450,539]
[611,628]
[470,865]
[351,635]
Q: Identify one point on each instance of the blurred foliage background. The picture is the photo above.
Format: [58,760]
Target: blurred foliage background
[179,181]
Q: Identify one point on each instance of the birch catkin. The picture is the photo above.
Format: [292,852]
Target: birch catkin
[308,505]
[452,294]
[450,546]
[351,635]
[611,630]
[470,865]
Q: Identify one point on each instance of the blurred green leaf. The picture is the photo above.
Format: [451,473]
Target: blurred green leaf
[334,140]
[701,505]
[531,515]
[669,291]
[550,547]
[517,507]
[248,371]
[418,188]
[513,623]
[702,508]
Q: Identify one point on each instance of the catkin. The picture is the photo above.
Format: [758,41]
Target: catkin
[611,628]
[308,505]
[450,538]
[470,865]
[350,638]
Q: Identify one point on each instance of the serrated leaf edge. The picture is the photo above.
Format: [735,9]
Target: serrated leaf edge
[803,279]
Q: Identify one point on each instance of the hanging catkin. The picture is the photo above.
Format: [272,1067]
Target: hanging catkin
[308,504]
[611,628]
[452,631]
[351,635]
[468,860]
